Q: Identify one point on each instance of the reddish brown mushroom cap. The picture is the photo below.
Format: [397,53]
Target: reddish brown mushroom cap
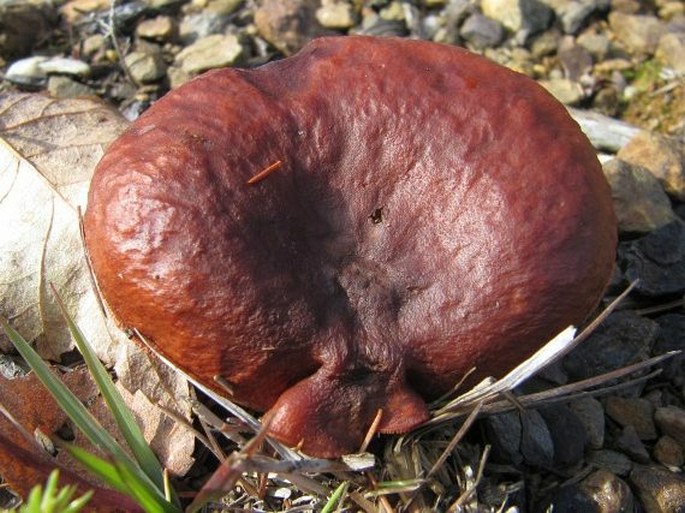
[423,211]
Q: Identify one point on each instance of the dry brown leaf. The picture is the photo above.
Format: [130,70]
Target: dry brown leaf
[27,454]
[48,151]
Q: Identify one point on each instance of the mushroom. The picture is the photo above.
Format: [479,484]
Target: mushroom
[351,230]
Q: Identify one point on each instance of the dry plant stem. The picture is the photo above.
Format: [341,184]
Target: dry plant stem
[468,493]
[115,43]
[228,405]
[448,450]
[564,392]
[373,429]
[552,351]
[362,502]
[220,380]
[373,485]
[229,472]
[661,308]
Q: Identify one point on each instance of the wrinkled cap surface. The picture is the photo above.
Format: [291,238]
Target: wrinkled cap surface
[427,212]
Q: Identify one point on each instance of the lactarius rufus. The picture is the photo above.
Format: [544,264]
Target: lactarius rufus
[351,230]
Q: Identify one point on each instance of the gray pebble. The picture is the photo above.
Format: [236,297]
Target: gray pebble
[145,68]
[60,86]
[590,413]
[215,51]
[671,422]
[640,202]
[537,446]
[196,26]
[640,34]
[481,31]
[623,338]
[629,442]
[565,90]
[635,412]
[616,462]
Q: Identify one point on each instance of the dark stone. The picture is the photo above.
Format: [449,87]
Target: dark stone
[568,434]
[657,260]
[537,446]
[504,433]
[671,337]
[624,338]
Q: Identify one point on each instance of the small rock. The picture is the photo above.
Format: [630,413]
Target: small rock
[607,101]
[572,14]
[33,71]
[671,422]
[671,10]
[600,492]
[636,412]
[640,202]
[527,16]
[616,462]
[504,430]
[27,72]
[288,24]
[196,26]
[574,59]
[65,66]
[394,11]
[545,44]
[596,44]
[336,15]
[568,434]
[9,368]
[93,46]
[537,446]
[590,413]
[671,51]
[223,7]
[639,33]
[215,51]
[610,493]
[75,10]
[159,28]
[60,86]
[629,442]
[663,156]
[565,90]
[657,260]
[671,337]
[623,338]
[668,452]
[659,490]
[374,25]
[145,68]
[24,24]
[482,31]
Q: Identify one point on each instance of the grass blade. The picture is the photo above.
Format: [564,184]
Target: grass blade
[121,477]
[76,411]
[336,497]
[122,415]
